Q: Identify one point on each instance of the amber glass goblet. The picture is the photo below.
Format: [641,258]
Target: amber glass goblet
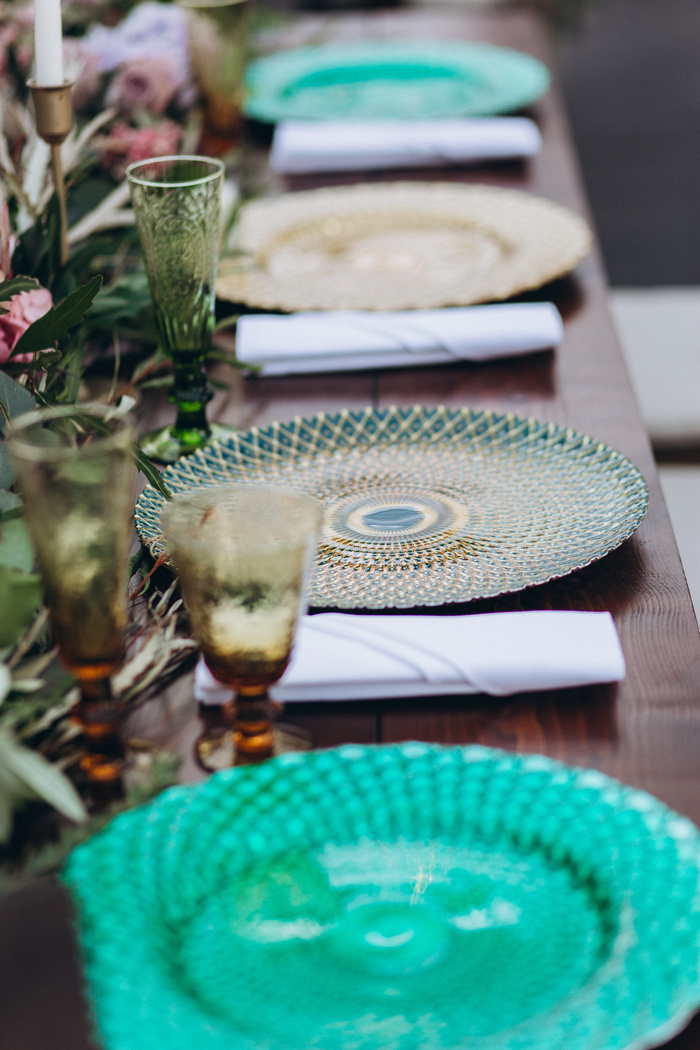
[177,205]
[217,32]
[243,554]
[75,468]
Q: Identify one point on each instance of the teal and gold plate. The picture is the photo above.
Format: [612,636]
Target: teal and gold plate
[408,897]
[386,79]
[425,506]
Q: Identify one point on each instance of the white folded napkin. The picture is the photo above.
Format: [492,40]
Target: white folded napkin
[353,339]
[341,656]
[300,147]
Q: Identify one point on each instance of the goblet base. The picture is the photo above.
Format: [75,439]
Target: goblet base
[169,443]
[216,748]
[222,143]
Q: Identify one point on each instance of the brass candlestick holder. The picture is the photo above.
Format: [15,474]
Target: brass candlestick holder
[54,120]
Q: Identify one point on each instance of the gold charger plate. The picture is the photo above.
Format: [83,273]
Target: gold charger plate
[398,246]
[425,506]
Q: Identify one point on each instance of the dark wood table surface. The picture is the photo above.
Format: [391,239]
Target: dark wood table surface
[644,731]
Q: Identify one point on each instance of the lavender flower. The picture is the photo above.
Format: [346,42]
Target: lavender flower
[150,30]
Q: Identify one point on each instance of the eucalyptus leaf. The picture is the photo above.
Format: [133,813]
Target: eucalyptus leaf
[9,501]
[57,322]
[42,778]
[15,399]
[20,597]
[16,550]
[7,474]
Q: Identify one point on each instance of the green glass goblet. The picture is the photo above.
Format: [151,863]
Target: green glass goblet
[76,473]
[177,205]
[243,554]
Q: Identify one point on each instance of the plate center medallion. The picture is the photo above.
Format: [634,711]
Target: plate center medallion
[382,516]
[393,518]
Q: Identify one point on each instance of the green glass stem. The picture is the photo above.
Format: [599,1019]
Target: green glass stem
[190,394]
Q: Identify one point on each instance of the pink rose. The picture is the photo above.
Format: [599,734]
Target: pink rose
[24,309]
[145,84]
[126,145]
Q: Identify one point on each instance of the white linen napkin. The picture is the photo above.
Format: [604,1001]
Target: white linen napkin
[300,147]
[341,656]
[344,340]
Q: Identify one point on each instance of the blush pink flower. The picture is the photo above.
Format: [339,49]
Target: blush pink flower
[24,309]
[145,85]
[126,145]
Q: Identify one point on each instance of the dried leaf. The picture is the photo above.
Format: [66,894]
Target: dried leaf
[6,806]
[42,778]
[27,685]
[5,681]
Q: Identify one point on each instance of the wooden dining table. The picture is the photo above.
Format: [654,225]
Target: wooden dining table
[644,731]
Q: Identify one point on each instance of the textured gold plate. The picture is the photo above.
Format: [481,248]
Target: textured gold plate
[425,506]
[398,246]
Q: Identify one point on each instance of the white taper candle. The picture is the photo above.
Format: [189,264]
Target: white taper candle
[48,43]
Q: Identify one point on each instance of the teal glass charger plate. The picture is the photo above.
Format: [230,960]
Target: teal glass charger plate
[406,897]
[428,506]
[392,79]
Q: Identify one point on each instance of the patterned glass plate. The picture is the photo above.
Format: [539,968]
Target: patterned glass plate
[384,79]
[407,897]
[429,505]
[398,246]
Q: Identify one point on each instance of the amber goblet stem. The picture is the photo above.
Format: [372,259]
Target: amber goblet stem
[100,715]
[251,715]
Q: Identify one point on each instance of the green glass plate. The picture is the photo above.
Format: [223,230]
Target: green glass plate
[386,79]
[407,897]
[425,506]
